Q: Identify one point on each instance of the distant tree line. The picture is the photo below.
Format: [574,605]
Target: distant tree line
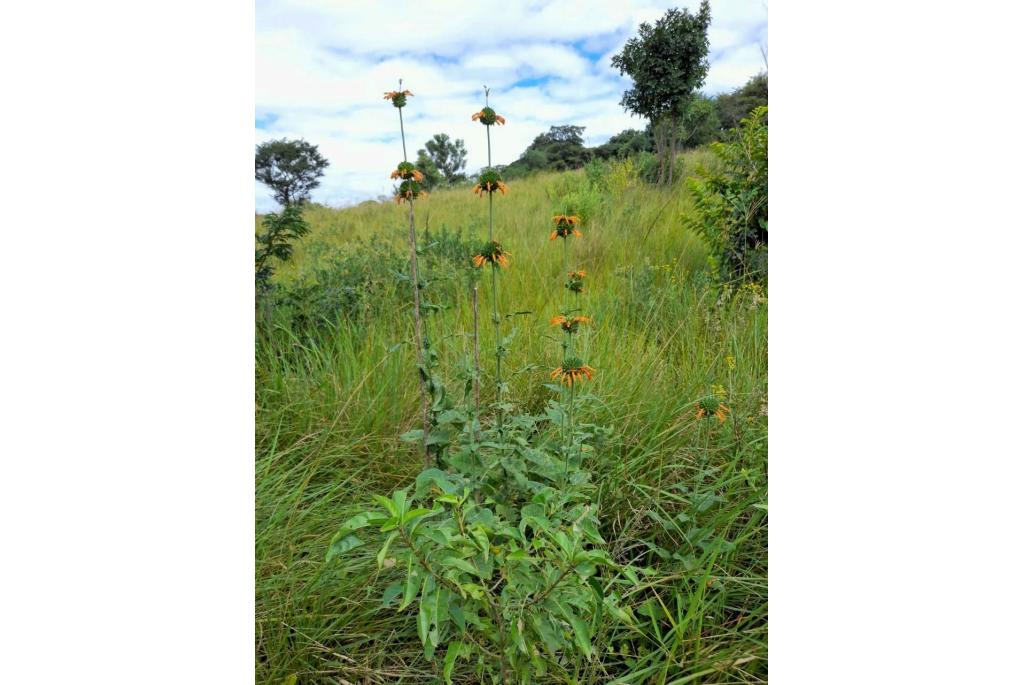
[704,120]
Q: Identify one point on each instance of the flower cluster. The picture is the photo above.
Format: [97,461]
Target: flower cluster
[489,182]
[406,170]
[565,225]
[409,190]
[397,98]
[572,370]
[491,253]
[575,282]
[569,324]
[488,117]
[711,406]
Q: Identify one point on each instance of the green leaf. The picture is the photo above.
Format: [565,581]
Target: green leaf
[423,621]
[461,564]
[581,634]
[415,435]
[386,503]
[382,554]
[349,542]
[390,594]
[400,502]
[454,650]
[411,586]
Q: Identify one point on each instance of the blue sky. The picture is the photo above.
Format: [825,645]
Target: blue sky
[323,66]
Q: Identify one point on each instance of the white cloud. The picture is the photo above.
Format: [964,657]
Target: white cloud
[322,68]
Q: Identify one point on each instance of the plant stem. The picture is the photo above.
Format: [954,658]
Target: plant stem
[413,272]
[476,353]
[494,288]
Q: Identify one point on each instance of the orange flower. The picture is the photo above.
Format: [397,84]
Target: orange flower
[565,231]
[569,324]
[572,371]
[488,117]
[415,174]
[409,194]
[392,94]
[490,187]
[492,253]
[707,407]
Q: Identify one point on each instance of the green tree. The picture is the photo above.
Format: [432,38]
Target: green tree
[562,148]
[431,175]
[734,106]
[279,230]
[290,168]
[731,205]
[448,157]
[699,123]
[625,144]
[668,63]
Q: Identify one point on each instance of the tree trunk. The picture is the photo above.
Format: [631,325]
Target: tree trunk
[672,154]
[657,129]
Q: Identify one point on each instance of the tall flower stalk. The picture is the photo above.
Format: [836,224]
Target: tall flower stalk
[492,253]
[573,369]
[410,188]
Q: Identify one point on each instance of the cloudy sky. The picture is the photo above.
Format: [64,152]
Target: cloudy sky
[322,67]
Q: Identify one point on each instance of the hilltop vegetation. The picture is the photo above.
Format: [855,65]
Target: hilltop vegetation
[680,498]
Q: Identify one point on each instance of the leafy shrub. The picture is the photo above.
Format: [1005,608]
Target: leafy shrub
[279,230]
[622,175]
[503,554]
[351,286]
[731,204]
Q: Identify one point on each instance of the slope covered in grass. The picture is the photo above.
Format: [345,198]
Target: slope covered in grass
[683,497]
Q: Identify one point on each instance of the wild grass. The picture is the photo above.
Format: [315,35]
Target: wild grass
[684,497]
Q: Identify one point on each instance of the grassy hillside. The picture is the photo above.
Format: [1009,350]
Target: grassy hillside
[684,497]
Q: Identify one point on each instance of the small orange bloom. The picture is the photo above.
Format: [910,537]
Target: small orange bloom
[392,94]
[490,187]
[574,371]
[492,253]
[569,324]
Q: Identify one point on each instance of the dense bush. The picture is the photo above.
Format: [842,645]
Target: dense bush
[353,286]
[274,242]
[733,107]
[731,204]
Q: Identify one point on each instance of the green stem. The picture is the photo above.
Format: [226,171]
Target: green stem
[401,125]
[413,273]
[494,289]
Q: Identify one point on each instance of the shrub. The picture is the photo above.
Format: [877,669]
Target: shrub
[731,204]
[279,231]
[352,286]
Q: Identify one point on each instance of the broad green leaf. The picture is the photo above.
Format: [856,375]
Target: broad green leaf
[415,435]
[581,634]
[412,584]
[382,554]
[386,503]
[423,621]
[454,650]
[390,594]
[400,502]
[343,545]
[461,564]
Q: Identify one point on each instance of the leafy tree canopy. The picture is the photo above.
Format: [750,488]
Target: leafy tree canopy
[447,156]
[734,106]
[290,168]
[668,62]
[432,176]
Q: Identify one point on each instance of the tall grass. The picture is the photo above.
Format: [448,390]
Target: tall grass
[683,496]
